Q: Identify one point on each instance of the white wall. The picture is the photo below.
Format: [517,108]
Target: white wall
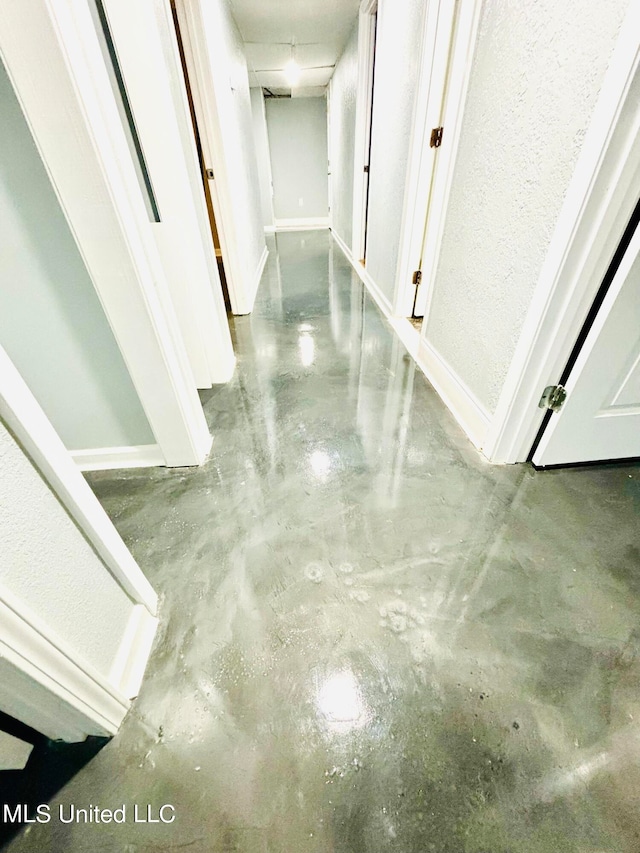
[51,322]
[344,84]
[535,79]
[48,564]
[231,80]
[261,139]
[298,144]
[396,77]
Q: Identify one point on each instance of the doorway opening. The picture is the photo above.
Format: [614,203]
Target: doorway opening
[449,38]
[369,132]
[206,177]
[368,29]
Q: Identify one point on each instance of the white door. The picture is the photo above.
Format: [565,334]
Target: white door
[600,418]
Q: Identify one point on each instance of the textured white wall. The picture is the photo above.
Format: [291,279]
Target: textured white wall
[344,84]
[396,79]
[48,563]
[298,143]
[51,322]
[229,66]
[534,83]
[261,139]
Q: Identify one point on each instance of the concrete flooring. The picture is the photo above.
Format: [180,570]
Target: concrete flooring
[371,640]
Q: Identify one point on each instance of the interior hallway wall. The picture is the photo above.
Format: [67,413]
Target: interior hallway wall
[535,79]
[342,128]
[261,139]
[51,322]
[398,45]
[298,143]
[49,565]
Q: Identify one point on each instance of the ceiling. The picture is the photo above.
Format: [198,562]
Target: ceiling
[317,29]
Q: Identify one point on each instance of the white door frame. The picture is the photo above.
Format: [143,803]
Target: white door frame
[364,98]
[52,55]
[448,44]
[146,44]
[46,683]
[598,205]
[329,156]
[209,94]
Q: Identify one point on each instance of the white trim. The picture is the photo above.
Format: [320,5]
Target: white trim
[463,404]
[432,178]
[330,200]
[212,94]
[465,407]
[303,224]
[603,192]
[364,97]
[53,58]
[42,673]
[106,458]
[29,424]
[436,49]
[133,655]
[376,294]
[269,229]
[346,251]
[257,276]
[218,344]
[147,67]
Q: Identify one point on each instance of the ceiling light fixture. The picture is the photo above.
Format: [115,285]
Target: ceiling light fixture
[292,72]
[292,69]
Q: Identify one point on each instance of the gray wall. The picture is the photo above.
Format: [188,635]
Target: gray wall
[51,322]
[396,78]
[263,157]
[535,79]
[47,563]
[344,84]
[298,143]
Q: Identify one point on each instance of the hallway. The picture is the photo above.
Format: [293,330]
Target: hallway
[370,638]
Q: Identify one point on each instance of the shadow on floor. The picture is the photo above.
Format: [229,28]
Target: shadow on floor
[50,766]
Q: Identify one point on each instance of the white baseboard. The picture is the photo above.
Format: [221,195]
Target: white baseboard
[131,661]
[223,372]
[106,458]
[377,295]
[312,224]
[47,685]
[345,249]
[269,229]
[257,276]
[457,397]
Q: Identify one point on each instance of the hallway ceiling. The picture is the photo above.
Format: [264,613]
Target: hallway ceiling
[318,29]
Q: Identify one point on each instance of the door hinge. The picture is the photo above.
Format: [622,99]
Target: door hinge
[210,174]
[417,277]
[366,170]
[553,398]
[436,137]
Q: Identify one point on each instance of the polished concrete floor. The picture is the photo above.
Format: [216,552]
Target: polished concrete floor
[370,640]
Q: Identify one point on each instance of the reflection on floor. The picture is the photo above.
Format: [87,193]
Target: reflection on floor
[371,640]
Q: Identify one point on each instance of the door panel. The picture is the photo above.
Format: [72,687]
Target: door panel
[601,416]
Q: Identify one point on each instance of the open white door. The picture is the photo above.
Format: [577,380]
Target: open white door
[600,418]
